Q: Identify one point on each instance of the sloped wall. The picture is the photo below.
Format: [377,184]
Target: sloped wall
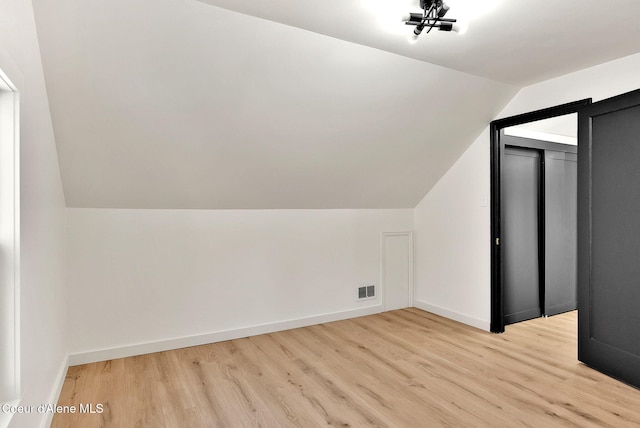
[190,106]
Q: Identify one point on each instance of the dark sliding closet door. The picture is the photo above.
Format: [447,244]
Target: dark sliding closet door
[521,189]
[561,194]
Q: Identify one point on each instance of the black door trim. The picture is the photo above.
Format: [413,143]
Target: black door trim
[497,152]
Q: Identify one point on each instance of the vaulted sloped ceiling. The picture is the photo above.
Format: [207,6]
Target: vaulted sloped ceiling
[179,104]
[183,104]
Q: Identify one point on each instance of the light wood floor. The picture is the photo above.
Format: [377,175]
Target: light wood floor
[405,368]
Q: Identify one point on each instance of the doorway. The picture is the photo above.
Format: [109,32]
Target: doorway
[511,156]
[539,192]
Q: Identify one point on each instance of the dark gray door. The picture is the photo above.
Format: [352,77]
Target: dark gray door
[560,254]
[609,237]
[521,189]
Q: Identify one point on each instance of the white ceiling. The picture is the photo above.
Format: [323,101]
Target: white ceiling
[513,41]
[181,104]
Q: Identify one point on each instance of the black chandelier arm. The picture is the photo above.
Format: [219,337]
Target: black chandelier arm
[446,20]
[428,21]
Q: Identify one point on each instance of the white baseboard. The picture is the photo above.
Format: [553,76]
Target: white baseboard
[218,336]
[465,319]
[55,393]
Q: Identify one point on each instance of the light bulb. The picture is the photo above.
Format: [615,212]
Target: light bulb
[460,28]
[442,10]
[413,38]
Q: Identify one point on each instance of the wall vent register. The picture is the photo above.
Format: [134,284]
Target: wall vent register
[367,292]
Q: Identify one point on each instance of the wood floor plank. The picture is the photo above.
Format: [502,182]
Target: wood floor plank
[392,374]
[405,368]
[439,378]
[293,384]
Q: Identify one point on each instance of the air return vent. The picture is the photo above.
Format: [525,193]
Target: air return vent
[367,292]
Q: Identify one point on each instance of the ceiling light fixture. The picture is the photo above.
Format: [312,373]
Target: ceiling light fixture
[432,16]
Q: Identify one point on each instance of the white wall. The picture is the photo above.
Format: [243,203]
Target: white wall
[147,280]
[453,229]
[43,293]
[451,235]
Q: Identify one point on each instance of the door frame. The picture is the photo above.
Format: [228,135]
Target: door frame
[497,154]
